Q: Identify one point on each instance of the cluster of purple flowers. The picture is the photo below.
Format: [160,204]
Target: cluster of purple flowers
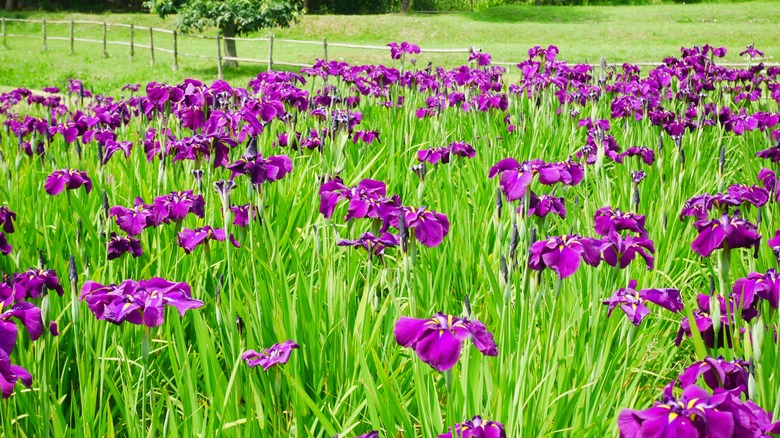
[16,291]
[368,199]
[444,154]
[7,218]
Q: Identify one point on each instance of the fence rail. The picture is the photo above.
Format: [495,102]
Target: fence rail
[269,61]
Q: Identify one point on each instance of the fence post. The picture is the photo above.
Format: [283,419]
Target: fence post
[175,51]
[43,30]
[325,48]
[132,45]
[72,31]
[105,51]
[271,52]
[219,58]
[151,45]
[4,46]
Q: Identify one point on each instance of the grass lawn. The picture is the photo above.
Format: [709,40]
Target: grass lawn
[627,33]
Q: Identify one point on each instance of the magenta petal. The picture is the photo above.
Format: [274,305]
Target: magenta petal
[408,331]
[439,349]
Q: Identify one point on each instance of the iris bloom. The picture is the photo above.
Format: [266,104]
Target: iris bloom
[175,206]
[189,239]
[31,283]
[118,245]
[703,320]
[396,50]
[5,247]
[438,341]
[366,199]
[563,254]
[260,170]
[70,179]
[694,414]
[731,232]
[606,220]
[476,428]
[517,177]
[619,251]
[133,220]
[277,354]
[632,301]
[544,204]
[7,218]
[241,214]
[137,302]
[373,244]
[430,228]
[10,374]
[372,434]
[766,286]
[717,373]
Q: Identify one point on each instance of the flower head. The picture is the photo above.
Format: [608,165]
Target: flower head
[175,206]
[606,220]
[476,428]
[118,245]
[138,302]
[373,244]
[563,254]
[632,301]
[277,354]
[438,341]
[619,251]
[31,283]
[133,220]
[70,179]
[730,231]
[189,239]
[717,373]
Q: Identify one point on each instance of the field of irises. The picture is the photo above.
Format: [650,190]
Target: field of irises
[387,251]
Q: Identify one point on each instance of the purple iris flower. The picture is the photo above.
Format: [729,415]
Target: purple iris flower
[189,239]
[476,428]
[752,52]
[30,317]
[563,254]
[606,220]
[462,149]
[133,221]
[755,195]
[766,286]
[619,251]
[118,245]
[373,244]
[367,137]
[694,414]
[438,340]
[175,206]
[632,301]
[703,322]
[434,155]
[396,50]
[5,247]
[260,170]
[31,283]
[7,218]
[70,179]
[646,154]
[516,177]
[430,228]
[137,302]
[10,374]
[774,243]
[718,373]
[700,205]
[483,59]
[544,204]
[241,214]
[732,232]
[772,154]
[366,199]
[277,354]
[372,434]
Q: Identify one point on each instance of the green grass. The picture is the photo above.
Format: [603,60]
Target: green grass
[628,33]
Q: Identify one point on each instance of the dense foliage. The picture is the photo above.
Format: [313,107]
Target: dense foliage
[396,251]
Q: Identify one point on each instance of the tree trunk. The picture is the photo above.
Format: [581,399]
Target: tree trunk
[136,5]
[306,5]
[229,31]
[405,4]
[11,5]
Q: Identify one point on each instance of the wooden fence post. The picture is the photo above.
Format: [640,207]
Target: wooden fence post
[72,42]
[105,51]
[219,58]
[151,45]
[325,48]
[43,30]
[132,45]
[175,51]
[271,52]
[603,69]
[4,46]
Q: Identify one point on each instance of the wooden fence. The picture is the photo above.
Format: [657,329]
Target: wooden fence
[174,36]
